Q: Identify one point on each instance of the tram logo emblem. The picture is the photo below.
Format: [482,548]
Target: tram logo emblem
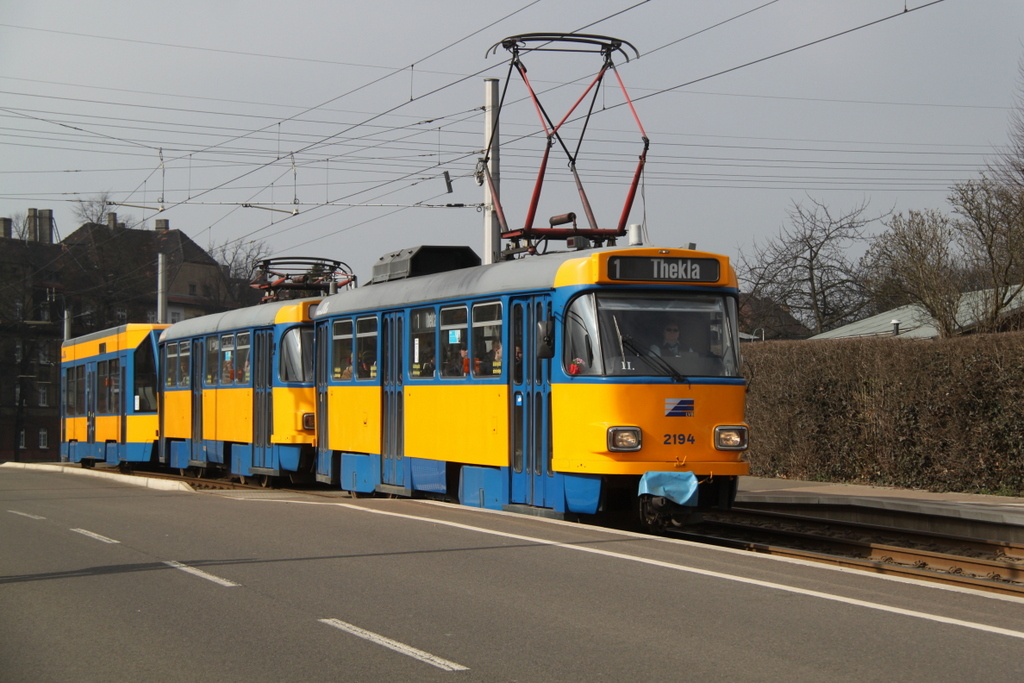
[678,407]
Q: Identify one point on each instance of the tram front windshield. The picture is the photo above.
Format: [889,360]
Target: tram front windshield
[670,334]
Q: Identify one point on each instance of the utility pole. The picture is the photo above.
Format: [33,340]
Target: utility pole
[492,229]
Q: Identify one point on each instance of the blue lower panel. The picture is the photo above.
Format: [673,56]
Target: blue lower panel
[288,456]
[241,458]
[428,475]
[360,472]
[482,487]
[180,453]
[582,493]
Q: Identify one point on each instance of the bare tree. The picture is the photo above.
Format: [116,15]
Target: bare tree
[807,269]
[992,231]
[919,260]
[238,259]
[94,209]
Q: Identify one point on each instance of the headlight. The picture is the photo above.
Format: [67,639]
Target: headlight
[624,438]
[309,421]
[732,438]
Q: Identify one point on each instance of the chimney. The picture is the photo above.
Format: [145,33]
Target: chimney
[6,224]
[44,226]
[163,224]
[111,220]
[31,226]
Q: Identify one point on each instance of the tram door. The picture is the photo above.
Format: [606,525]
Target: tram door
[262,398]
[198,452]
[323,369]
[90,403]
[392,465]
[530,410]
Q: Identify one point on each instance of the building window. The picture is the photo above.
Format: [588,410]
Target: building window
[18,308]
[44,353]
[150,316]
[18,350]
[44,395]
[21,439]
[191,289]
[44,438]
[175,317]
[44,311]
[122,315]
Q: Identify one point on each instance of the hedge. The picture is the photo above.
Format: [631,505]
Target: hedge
[941,415]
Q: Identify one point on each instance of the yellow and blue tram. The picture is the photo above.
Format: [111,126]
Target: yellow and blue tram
[534,382]
[238,392]
[109,396]
[540,383]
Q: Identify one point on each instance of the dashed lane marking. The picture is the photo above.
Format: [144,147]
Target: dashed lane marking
[25,514]
[90,534]
[201,574]
[402,648]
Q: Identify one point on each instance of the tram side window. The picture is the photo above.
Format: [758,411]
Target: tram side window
[212,357]
[145,378]
[454,342]
[341,349]
[108,386]
[366,348]
[71,405]
[102,379]
[80,390]
[171,365]
[227,359]
[184,366]
[423,331]
[297,355]
[487,351]
[582,342]
[242,369]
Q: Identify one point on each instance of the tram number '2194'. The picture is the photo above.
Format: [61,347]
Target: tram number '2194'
[678,439]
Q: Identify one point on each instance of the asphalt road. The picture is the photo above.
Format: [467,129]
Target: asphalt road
[104,581]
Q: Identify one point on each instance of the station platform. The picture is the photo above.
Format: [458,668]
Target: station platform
[962,514]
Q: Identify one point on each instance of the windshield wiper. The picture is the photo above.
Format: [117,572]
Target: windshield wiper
[654,361]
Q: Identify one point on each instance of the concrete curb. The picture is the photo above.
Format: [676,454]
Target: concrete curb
[64,468]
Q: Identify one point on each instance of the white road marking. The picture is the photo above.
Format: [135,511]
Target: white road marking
[402,648]
[705,572]
[200,573]
[25,514]
[96,536]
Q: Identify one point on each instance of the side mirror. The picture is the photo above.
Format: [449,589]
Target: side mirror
[546,339]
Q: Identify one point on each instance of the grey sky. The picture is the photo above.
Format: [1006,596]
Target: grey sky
[269,103]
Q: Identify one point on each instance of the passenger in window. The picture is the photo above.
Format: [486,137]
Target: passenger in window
[427,369]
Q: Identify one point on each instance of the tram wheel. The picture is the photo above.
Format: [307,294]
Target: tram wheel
[265,480]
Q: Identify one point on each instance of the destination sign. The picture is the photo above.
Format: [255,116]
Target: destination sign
[663,269]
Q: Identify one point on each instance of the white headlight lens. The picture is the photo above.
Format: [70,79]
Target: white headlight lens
[731,438]
[624,438]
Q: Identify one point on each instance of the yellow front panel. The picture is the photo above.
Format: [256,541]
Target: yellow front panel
[354,415]
[467,423]
[177,407]
[143,428]
[290,403]
[583,413]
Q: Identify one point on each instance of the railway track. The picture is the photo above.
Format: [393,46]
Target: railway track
[995,566]
[990,565]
